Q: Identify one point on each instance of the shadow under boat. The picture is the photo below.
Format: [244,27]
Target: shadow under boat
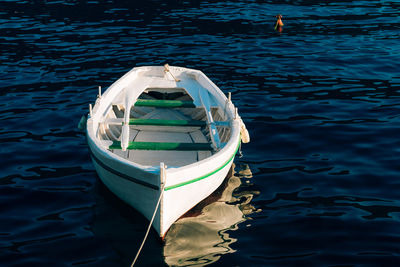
[198,238]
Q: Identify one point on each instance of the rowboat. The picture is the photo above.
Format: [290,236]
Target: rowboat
[162,139]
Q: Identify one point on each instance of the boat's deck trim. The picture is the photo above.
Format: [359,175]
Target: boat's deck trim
[122,175]
[207,175]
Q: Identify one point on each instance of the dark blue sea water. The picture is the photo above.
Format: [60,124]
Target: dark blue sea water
[321,101]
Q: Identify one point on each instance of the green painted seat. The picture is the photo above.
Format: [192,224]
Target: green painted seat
[163,146]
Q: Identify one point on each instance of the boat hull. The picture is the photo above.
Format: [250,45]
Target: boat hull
[179,187]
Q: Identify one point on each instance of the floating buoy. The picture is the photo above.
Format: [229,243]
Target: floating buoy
[279,24]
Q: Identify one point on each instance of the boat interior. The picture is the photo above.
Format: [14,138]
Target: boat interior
[166,126]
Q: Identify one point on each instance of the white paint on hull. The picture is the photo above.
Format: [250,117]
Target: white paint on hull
[139,185]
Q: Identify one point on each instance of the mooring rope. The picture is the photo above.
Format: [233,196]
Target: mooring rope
[148,228]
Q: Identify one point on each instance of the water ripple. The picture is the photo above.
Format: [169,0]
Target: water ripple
[320,99]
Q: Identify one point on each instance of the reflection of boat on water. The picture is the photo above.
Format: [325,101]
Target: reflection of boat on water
[201,236]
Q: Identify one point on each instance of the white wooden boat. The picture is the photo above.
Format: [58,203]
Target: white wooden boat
[164,135]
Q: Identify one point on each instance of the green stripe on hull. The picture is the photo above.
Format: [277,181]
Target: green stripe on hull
[167,122]
[164,103]
[204,176]
[163,146]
